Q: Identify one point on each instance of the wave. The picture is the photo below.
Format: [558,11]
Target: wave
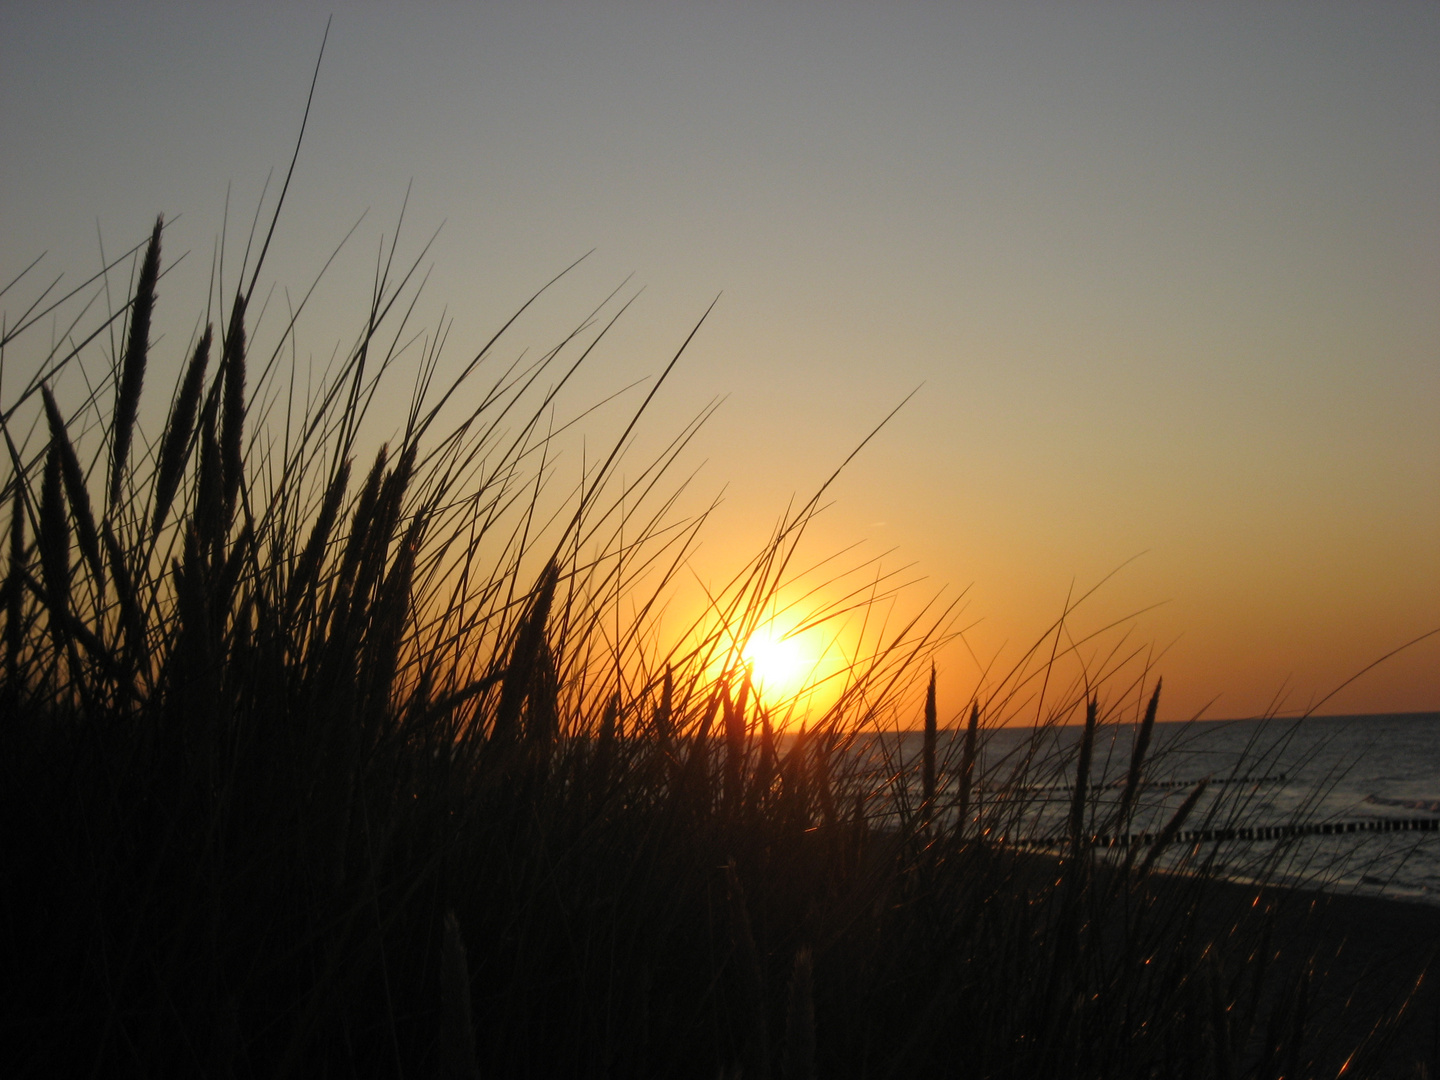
[1430,805]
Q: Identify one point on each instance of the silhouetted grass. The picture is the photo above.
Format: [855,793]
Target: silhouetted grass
[304,777]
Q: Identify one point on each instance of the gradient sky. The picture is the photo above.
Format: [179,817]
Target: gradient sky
[1168,275]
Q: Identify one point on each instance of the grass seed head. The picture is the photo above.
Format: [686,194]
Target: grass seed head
[75,489]
[132,367]
[54,538]
[14,588]
[175,446]
[233,424]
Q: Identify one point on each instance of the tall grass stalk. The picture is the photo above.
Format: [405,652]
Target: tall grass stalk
[305,776]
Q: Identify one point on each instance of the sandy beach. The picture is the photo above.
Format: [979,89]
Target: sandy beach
[1373,959]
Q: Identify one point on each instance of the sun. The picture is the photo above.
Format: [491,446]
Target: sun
[779,664]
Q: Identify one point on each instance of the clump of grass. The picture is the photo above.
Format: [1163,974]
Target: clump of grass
[310,778]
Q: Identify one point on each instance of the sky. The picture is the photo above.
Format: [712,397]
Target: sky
[1166,277]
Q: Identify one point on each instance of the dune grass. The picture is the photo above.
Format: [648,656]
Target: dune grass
[332,759]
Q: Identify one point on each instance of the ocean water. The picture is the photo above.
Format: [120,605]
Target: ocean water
[1337,802]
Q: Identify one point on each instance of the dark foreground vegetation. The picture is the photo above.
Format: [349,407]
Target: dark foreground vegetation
[325,760]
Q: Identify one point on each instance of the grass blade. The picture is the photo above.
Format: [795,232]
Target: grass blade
[928,752]
[967,770]
[1082,778]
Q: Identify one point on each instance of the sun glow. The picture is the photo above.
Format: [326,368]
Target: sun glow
[779,664]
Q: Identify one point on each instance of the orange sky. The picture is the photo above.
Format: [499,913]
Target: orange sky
[1167,277]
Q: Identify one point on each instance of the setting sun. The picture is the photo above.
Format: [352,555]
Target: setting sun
[655,540]
[779,663]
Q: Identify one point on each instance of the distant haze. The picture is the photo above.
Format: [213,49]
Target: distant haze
[1168,276]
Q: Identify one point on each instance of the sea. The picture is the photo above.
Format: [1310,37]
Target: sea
[1337,803]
